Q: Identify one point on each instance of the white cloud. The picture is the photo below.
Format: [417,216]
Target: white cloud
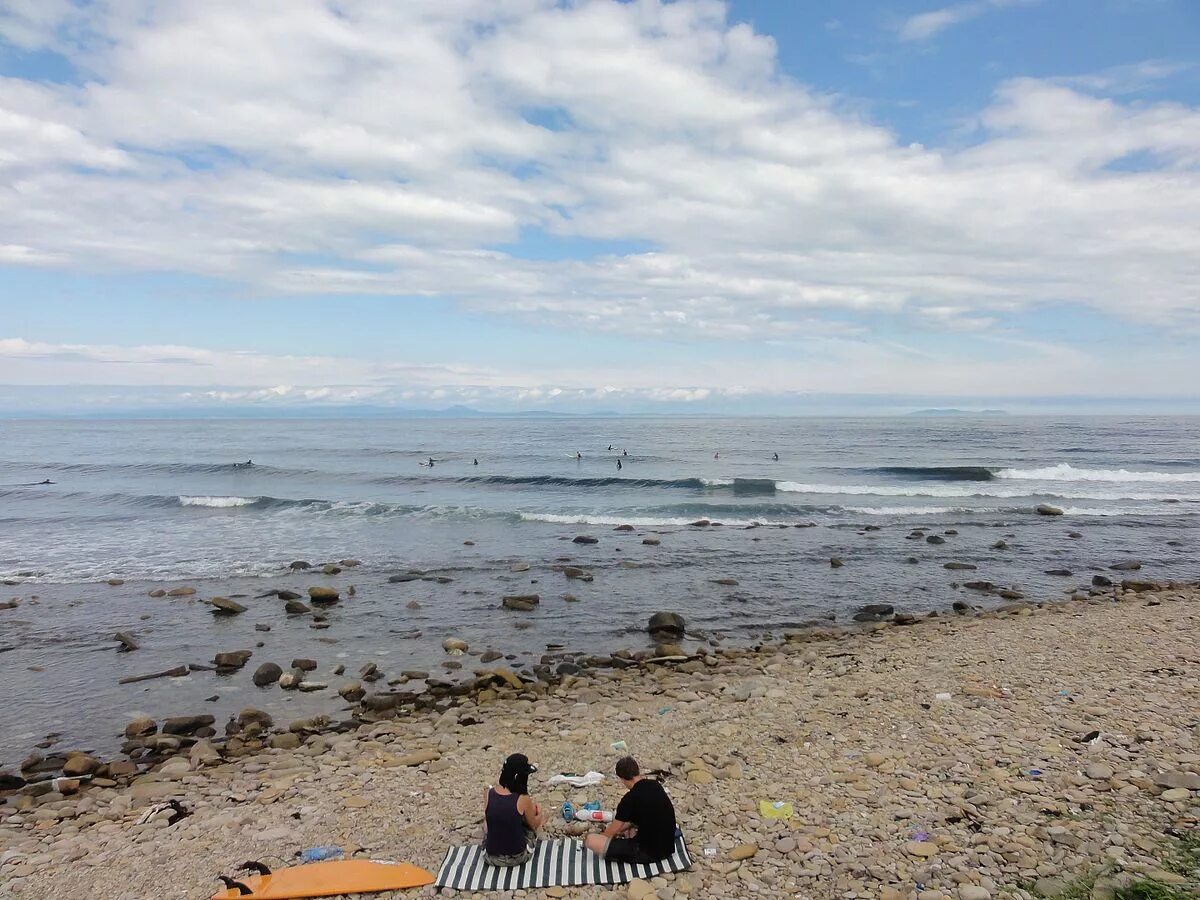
[354,147]
[924,26]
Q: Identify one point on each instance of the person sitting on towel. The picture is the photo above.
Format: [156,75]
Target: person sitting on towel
[512,817]
[643,827]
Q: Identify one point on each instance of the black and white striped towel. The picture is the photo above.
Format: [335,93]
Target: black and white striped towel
[563,862]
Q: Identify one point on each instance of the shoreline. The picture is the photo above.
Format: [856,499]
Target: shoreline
[845,724]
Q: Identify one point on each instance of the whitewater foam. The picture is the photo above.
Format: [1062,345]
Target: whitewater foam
[218,502]
[1068,472]
[636,521]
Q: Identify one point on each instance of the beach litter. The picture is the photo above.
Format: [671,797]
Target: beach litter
[777,809]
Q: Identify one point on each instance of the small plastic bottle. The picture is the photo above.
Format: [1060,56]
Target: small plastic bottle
[593,815]
[319,854]
[568,810]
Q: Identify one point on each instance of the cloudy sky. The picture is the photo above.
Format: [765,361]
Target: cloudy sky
[597,204]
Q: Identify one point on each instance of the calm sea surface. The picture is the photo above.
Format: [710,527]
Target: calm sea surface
[160,503]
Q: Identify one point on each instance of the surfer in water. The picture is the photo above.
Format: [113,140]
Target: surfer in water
[610,448]
[578,455]
[624,452]
[431,462]
[717,455]
[618,465]
[776,457]
[476,462]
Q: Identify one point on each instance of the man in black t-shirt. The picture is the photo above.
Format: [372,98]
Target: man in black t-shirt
[643,828]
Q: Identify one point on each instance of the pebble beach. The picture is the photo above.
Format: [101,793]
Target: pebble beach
[1034,750]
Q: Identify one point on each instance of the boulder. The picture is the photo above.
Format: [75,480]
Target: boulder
[79,764]
[585,539]
[835,562]
[651,541]
[157,593]
[223,606]
[667,623]
[324,594]
[252,716]
[874,612]
[959,567]
[935,539]
[203,753]
[181,592]
[186,724]
[522,602]
[11,782]
[126,640]
[1101,581]
[267,673]
[331,569]
[352,692]
[623,528]
[300,565]
[139,727]
[1126,566]
[234,659]
[1045,509]
[287,595]
[287,741]
[295,608]
[451,644]
[305,665]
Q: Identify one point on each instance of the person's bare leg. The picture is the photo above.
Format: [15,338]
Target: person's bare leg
[597,843]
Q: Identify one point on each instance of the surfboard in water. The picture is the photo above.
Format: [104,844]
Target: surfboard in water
[328,879]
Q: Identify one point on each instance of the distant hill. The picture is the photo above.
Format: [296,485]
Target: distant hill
[959,412]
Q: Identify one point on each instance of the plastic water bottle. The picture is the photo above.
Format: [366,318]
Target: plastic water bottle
[319,854]
[568,811]
[593,815]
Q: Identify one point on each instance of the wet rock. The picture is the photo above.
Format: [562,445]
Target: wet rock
[287,741]
[623,528]
[403,578]
[668,650]
[726,582]
[522,602]
[157,593]
[331,569]
[667,623]
[584,539]
[140,727]
[1101,581]
[985,586]
[960,566]
[304,665]
[960,607]
[1045,509]
[231,660]
[300,565]
[352,692]
[1000,545]
[287,595]
[251,716]
[11,782]
[1126,566]
[935,539]
[1061,573]
[296,608]
[324,594]
[290,681]
[79,764]
[126,640]
[267,673]
[181,592]
[223,606]
[412,604]
[874,612]
[577,573]
[651,541]
[904,619]
[835,562]
[186,725]
[176,672]
[490,656]
[1009,594]
[452,644]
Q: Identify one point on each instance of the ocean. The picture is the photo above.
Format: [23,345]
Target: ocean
[165,503]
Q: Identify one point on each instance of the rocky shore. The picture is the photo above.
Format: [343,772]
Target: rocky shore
[1033,750]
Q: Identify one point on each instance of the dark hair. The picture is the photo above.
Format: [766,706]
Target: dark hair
[627,768]
[515,774]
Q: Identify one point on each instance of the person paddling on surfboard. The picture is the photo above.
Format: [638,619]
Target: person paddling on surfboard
[512,818]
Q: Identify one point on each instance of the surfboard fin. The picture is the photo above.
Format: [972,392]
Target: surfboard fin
[232,885]
[255,866]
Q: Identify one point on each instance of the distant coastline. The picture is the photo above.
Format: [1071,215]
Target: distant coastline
[958,412]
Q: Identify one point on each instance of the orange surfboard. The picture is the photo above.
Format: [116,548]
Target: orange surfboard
[328,879]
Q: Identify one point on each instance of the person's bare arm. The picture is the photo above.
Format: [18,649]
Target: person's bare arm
[616,828]
[532,813]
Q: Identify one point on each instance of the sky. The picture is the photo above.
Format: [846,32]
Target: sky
[579,206]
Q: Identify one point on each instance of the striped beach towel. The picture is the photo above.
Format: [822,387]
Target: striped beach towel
[563,862]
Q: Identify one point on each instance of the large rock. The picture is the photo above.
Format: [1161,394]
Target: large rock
[305,665]
[874,612]
[295,608]
[223,606]
[585,539]
[181,592]
[267,673]
[667,623]
[252,716]
[1126,566]
[324,594]
[139,727]
[234,659]
[126,640]
[453,645]
[522,602]
[1045,509]
[352,692]
[186,724]
[78,764]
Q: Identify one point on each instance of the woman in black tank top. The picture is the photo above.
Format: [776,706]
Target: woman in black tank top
[512,817]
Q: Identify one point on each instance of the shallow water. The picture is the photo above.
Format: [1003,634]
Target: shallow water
[161,503]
